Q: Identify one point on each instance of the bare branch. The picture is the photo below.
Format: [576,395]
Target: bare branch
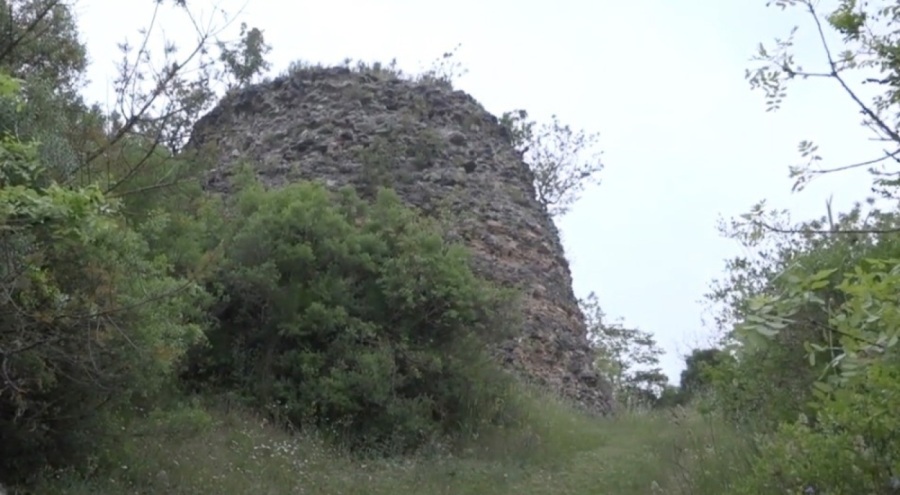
[834,73]
[824,231]
[887,155]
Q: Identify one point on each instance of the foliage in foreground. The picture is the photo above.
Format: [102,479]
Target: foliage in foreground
[812,320]
[80,340]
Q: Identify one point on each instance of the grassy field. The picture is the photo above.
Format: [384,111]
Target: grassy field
[555,451]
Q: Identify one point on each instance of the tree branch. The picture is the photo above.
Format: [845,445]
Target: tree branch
[834,73]
[825,231]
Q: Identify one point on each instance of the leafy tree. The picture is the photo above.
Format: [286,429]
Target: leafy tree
[360,320]
[853,396]
[828,295]
[869,48]
[771,378]
[554,152]
[786,252]
[628,357]
[243,63]
[91,322]
[100,250]
[158,96]
[41,43]
[695,377]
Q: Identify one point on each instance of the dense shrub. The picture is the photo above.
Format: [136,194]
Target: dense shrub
[772,380]
[852,446]
[90,320]
[357,318]
[848,443]
[762,388]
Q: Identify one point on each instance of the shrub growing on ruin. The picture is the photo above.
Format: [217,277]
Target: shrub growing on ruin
[555,153]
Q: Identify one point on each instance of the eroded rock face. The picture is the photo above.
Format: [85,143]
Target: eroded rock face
[442,152]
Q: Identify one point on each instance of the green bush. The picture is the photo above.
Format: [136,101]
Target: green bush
[850,442]
[763,388]
[771,380]
[91,321]
[852,446]
[355,318]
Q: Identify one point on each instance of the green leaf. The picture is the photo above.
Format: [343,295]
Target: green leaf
[767,332]
[823,274]
[824,387]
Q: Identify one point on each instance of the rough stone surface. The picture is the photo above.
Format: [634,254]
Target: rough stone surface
[442,152]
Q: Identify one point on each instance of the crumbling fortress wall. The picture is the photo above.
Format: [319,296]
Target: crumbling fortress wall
[443,153]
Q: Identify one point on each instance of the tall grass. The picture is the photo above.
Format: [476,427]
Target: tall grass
[553,450]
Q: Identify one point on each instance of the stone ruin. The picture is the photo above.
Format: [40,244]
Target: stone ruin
[442,152]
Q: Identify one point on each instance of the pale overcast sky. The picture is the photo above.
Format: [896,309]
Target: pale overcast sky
[684,138]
